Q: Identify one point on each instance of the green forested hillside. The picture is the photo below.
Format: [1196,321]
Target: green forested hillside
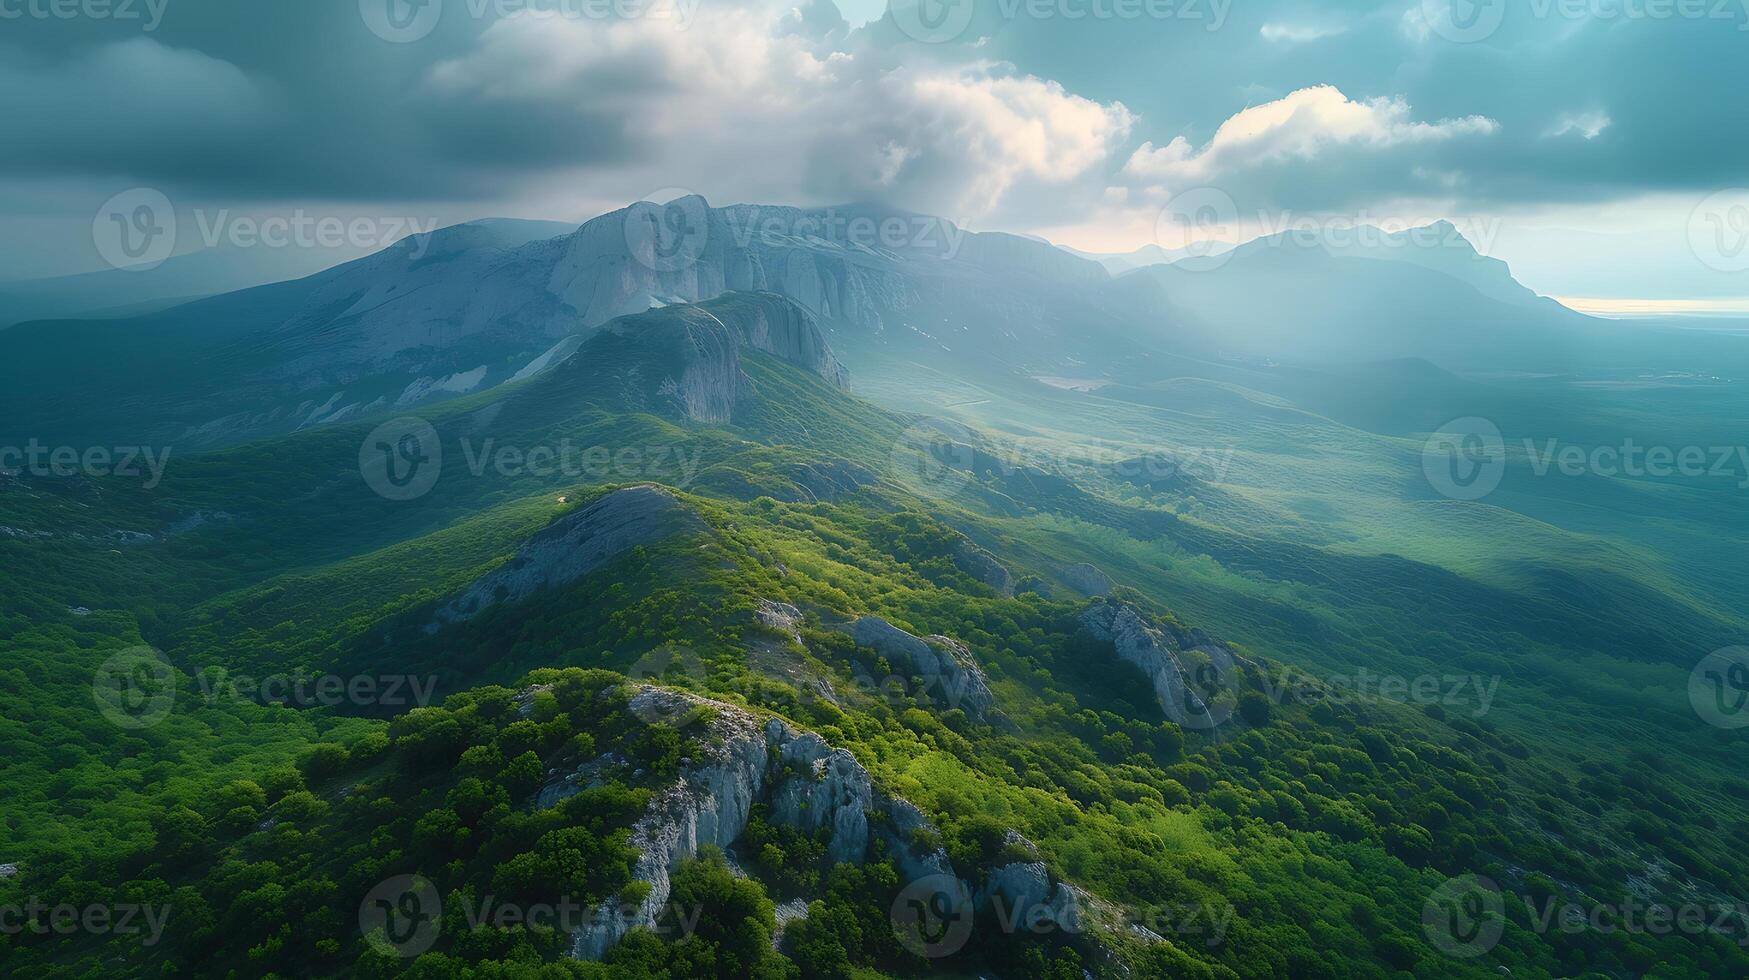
[1301,827]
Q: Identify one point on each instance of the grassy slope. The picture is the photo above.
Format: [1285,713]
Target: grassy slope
[314,562]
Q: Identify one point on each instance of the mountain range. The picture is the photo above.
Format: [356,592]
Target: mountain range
[473,306]
[837,577]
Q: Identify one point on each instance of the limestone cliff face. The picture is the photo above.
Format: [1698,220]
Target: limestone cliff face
[806,784]
[572,547]
[780,326]
[1023,892]
[1155,653]
[673,362]
[685,360]
[687,251]
[463,285]
[943,663]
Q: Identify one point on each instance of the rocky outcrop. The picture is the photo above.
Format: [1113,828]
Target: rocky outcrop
[780,616]
[675,362]
[572,547]
[685,360]
[805,783]
[946,666]
[983,566]
[779,326]
[1086,579]
[1155,653]
[1022,892]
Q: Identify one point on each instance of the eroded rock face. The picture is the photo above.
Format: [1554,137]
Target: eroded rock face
[983,566]
[944,663]
[780,616]
[1023,893]
[676,362]
[684,360]
[780,326]
[572,547]
[1154,652]
[1086,579]
[805,782]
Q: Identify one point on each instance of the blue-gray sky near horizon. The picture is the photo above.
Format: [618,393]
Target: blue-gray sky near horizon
[1600,146]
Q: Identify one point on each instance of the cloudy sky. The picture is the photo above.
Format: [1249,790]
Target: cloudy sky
[1600,146]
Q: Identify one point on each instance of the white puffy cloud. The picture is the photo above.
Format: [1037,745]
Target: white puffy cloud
[1302,126]
[783,113]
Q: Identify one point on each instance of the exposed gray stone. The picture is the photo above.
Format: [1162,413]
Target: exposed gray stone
[1155,653]
[944,663]
[780,616]
[572,547]
[1086,579]
[806,784]
[983,566]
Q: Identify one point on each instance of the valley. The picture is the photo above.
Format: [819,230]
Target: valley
[808,624]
